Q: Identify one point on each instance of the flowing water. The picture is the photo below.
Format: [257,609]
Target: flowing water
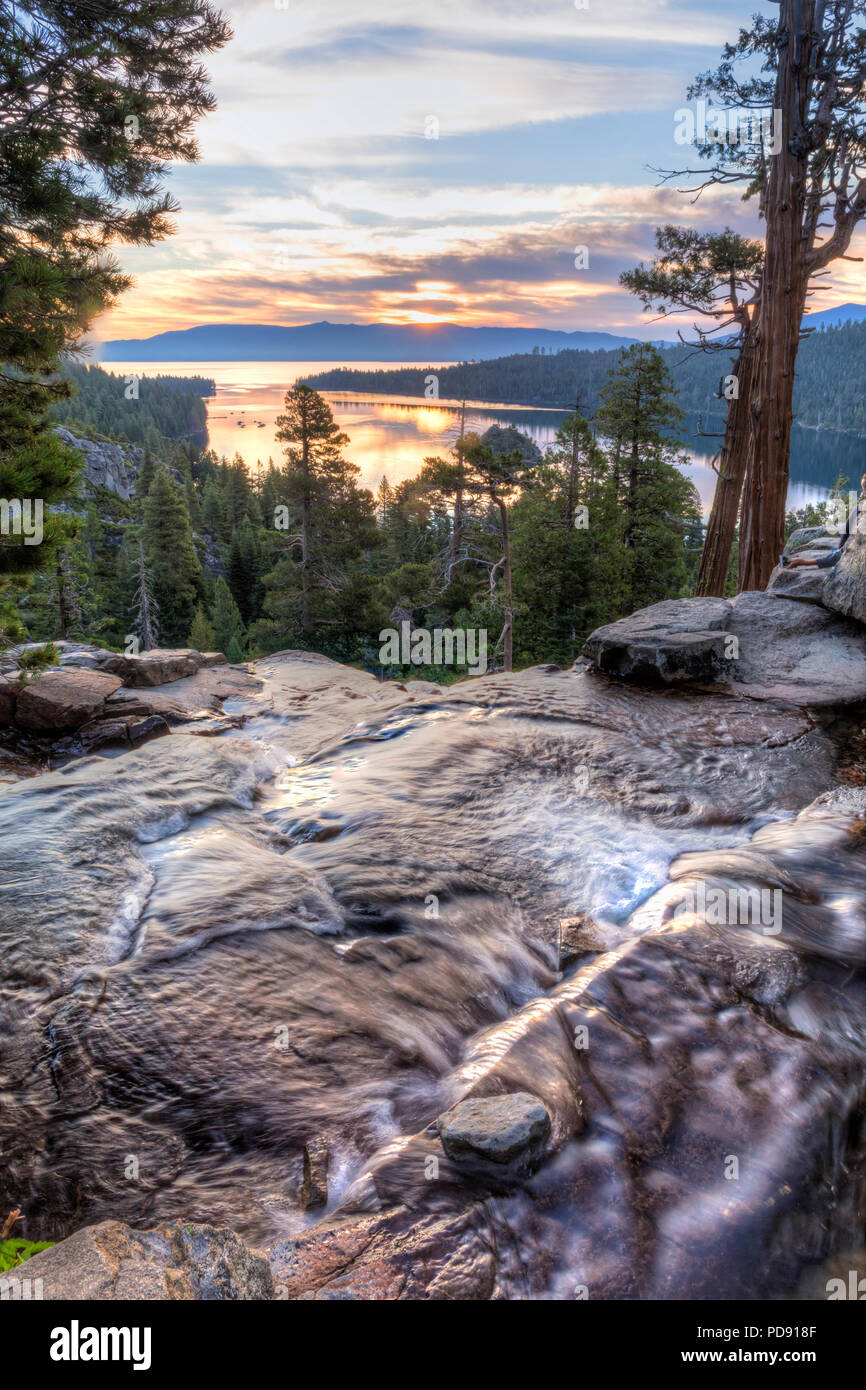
[344,915]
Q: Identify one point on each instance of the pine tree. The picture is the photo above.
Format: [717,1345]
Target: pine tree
[145,474]
[201,634]
[331,524]
[228,626]
[96,101]
[636,420]
[212,517]
[244,568]
[173,565]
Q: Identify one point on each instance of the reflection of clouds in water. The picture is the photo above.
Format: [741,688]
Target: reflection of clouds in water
[387,436]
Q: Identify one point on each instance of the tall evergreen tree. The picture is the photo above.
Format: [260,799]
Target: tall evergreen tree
[174,569]
[330,522]
[201,634]
[636,421]
[95,101]
[228,625]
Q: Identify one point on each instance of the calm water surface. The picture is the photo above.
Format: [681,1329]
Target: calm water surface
[391,436]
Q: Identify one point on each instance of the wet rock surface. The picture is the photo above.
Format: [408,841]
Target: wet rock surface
[498,1129]
[342,918]
[180,1261]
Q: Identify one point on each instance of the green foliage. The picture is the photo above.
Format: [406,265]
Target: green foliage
[228,625]
[201,634]
[97,101]
[167,407]
[39,658]
[172,564]
[596,526]
[15,1252]
[828,392]
[331,523]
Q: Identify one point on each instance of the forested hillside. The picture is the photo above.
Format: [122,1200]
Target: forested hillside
[536,551]
[831,370]
[145,411]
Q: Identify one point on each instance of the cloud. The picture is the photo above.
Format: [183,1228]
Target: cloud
[320,195]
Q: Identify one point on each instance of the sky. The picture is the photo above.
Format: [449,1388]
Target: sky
[401,162]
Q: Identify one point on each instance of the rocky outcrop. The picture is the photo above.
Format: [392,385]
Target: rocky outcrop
[807,539]
[111,466]
[85,693]
[181,1261]
[798,653]
[673,641]
[845,586]
[114,467]
[63,699]
[160,665]
[759,644]
[806,585]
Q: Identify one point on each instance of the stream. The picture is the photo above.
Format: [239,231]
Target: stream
[344,915]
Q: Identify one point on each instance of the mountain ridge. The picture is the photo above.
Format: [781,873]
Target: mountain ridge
[340,342]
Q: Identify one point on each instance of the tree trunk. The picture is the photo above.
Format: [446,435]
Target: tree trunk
[783,300]
[306,518]
[306,623]
[62,606]
[457,532]
[508,630]
[733,461]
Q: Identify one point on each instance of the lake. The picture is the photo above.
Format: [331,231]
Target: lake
[392,435]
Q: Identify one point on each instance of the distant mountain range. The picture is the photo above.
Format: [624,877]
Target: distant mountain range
[377,342]
[347,342]
[831,318]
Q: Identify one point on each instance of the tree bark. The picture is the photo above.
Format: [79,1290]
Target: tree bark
[733,461]
[508,646]
[783,301]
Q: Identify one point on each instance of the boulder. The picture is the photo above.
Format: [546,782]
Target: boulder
[213,659]
[845,584]
[772,647]
[803,584]
[811,538]
[94,659]
[676,640]
[499,1129]
[63,699]
[159,666]
[795,652]
[179,1261]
